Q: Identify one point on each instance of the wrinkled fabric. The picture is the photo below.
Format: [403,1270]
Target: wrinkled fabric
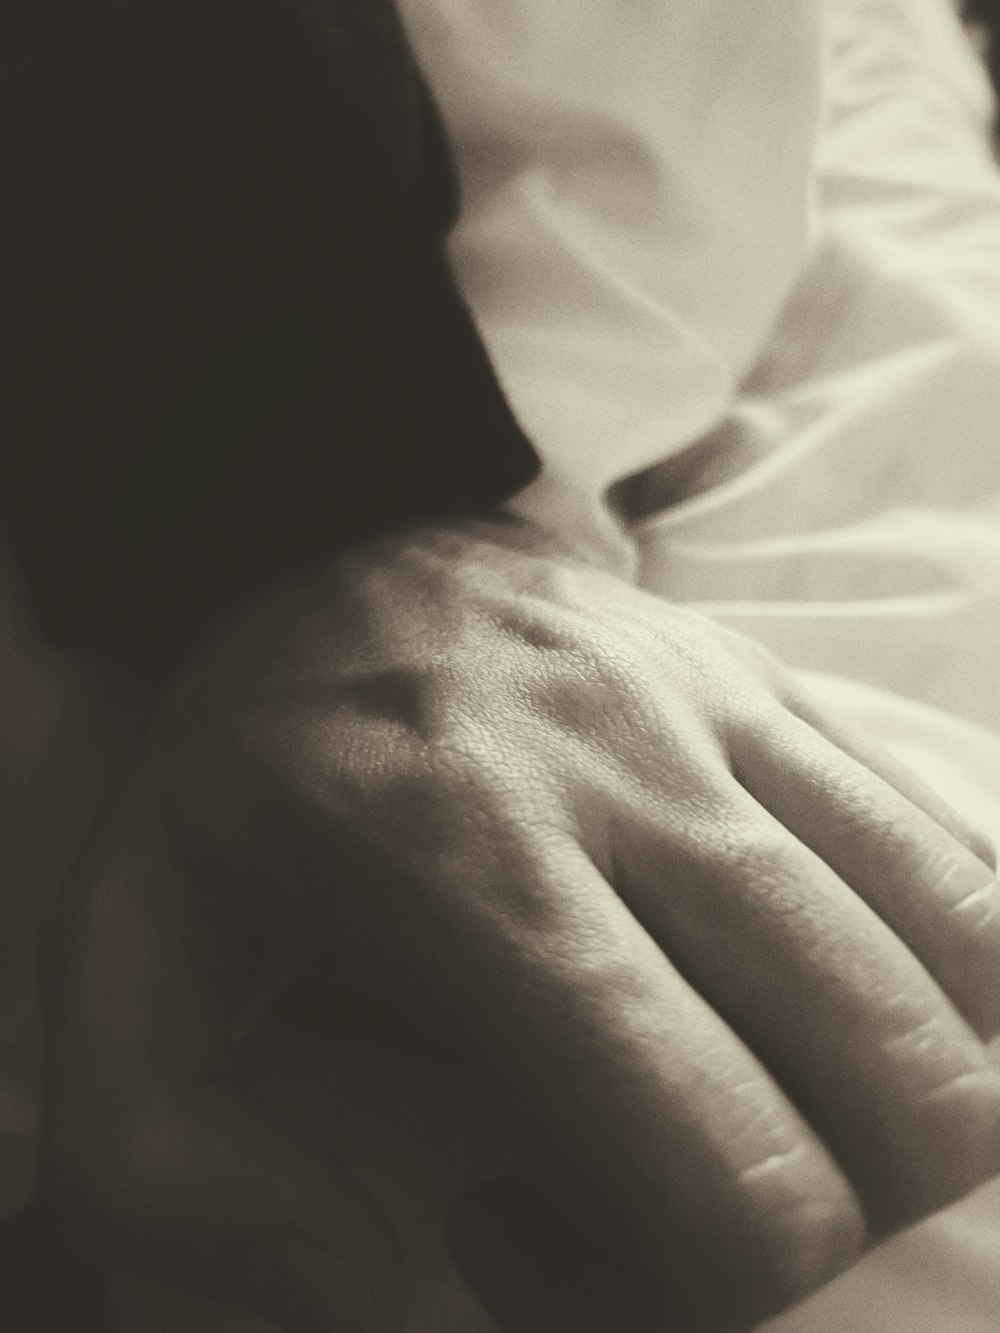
[631,176]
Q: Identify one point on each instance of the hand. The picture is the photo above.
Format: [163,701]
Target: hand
[728,968]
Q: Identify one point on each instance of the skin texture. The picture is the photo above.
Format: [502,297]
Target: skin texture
[727,970]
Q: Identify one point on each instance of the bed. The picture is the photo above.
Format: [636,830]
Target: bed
[740,277]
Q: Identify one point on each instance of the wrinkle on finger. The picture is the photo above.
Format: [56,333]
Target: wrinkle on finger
[848,1021]
[892,771]
[653,1115]
[908,867]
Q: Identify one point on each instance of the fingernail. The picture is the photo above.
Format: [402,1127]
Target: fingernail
[535,1272]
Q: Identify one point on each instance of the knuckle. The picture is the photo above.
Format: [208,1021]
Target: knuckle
[477,827]
[964,1116]
[581,656]
[969,950]
[827,1236]
[941,812]
[975,905]
[539,625]
[812,1227]
[945,1138]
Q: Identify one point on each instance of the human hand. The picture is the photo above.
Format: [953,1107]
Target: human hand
[728,969]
